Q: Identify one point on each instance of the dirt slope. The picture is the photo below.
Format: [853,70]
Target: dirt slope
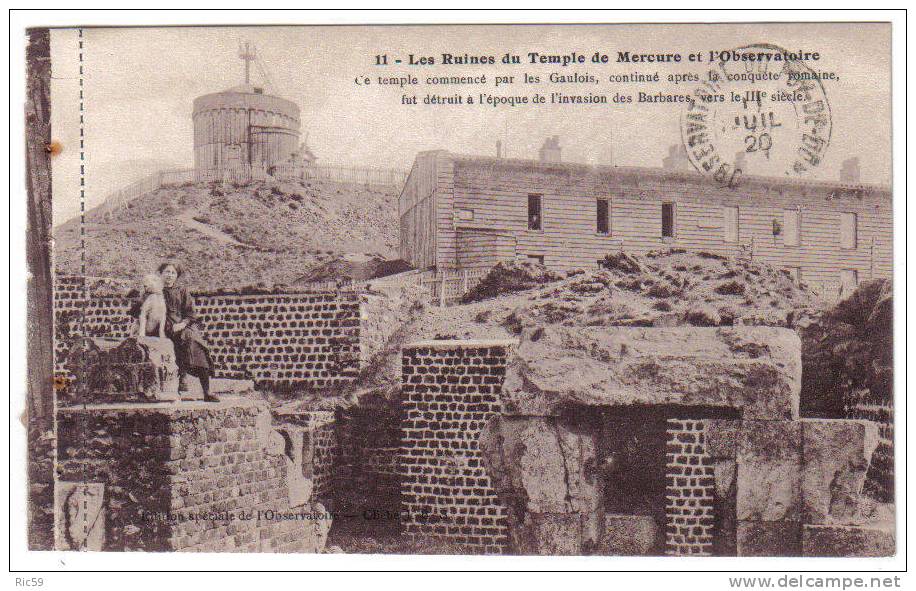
[231,236]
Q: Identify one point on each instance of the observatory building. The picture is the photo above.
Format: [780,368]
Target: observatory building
[244,126]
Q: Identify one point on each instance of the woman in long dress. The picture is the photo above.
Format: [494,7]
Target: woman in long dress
[192,353]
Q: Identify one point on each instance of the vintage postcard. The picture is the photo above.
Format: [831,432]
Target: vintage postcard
[605,290]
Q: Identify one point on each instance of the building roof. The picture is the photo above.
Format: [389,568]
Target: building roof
[645,172]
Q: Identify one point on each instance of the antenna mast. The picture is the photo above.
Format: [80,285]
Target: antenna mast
[248,54]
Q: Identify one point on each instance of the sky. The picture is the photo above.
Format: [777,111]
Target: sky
[139,85]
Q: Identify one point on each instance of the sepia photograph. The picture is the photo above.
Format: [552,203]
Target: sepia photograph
[561,290]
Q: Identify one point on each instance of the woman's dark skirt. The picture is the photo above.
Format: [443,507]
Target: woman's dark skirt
[192,354]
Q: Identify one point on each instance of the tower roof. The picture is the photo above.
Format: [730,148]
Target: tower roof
[245,88]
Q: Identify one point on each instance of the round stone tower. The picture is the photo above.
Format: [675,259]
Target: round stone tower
[243,126]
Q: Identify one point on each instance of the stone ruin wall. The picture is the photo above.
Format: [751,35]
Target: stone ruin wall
[450,391]
[319,448]
[749,480]
[281,341]
[880,410]
[434,468]
[366,481]
[305,340]
[158,465]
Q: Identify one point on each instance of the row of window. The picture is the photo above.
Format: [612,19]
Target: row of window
[789,229]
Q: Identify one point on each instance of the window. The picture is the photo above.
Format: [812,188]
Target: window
[603,221]
[466,215]
[791,227]
[667,220]
[849,280]
[730,224]
[536,258]
[534,212]
[848,230]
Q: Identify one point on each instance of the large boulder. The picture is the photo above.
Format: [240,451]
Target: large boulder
[754,370]
[630,535]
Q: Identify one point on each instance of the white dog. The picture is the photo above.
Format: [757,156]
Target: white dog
[153,310]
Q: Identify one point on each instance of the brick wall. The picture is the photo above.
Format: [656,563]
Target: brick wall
[283,339]
[279,340]
[450,389]
[185,477]
[690,490]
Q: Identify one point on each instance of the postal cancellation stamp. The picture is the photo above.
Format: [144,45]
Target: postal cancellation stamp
[763,103]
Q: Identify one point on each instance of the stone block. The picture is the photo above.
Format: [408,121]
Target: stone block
[849,541]
[769,538]
[80,516]
[630,535]
[725,472]
[837,455]
[769,471]
[725,500]
[133,370]
[548,534]
[753,370]
[544,472]
[294,441]
[545,463]
[160,352]
[722,438]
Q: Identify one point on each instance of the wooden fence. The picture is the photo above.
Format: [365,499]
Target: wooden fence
[386,177]
[448,287]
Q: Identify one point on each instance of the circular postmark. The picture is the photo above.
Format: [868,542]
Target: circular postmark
[759,110]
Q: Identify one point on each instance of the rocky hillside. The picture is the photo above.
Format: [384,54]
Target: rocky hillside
[671,288]
[229,235]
